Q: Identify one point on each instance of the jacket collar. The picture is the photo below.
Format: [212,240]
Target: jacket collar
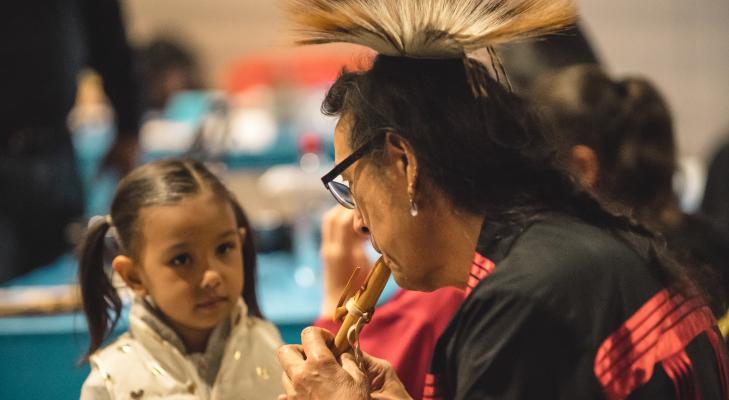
[147,325]
[497,236]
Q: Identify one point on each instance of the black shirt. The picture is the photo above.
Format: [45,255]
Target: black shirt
[44,44]
[716,194]
[572,311]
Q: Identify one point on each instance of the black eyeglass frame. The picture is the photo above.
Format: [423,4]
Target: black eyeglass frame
[328,179]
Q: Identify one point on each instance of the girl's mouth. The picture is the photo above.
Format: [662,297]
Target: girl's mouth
[213,302]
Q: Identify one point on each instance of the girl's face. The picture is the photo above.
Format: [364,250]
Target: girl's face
[190,261]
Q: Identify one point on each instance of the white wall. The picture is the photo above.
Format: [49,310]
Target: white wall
[682,45]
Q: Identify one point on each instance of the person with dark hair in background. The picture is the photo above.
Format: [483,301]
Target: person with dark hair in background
[616,137]
[43,46]
[456,183]
[526,60]
[167,67]
[716,194]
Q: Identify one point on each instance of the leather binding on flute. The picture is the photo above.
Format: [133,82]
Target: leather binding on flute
[357,310]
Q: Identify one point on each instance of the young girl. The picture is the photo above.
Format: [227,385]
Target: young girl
[195,330]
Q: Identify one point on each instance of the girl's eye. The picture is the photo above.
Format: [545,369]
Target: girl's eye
[225,248]
[181,260]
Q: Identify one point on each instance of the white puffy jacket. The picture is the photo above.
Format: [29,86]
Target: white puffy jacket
[149,362]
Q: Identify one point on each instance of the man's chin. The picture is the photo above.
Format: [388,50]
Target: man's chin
[408,283]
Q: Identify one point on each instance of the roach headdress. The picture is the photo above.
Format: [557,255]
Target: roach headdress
[429,28]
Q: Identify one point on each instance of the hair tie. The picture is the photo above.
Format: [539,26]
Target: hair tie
[98,218]
[113,242]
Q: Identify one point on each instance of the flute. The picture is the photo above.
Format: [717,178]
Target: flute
[358,309]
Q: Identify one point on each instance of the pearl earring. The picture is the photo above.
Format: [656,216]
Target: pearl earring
[413,208]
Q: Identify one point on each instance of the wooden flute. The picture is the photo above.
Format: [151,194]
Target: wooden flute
[358,309]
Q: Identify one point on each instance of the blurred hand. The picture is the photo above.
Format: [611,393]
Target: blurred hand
[123,155]
[342,249]
[311,371]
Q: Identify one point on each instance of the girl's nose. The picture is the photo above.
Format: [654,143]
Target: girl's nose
[211,279]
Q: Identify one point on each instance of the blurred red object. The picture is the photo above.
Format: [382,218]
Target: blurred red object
[310,142]
[306,66]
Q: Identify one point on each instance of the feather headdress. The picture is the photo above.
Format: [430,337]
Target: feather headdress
[428,28]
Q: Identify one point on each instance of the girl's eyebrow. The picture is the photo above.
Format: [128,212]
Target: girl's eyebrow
[227,233]
[184,244]
[177,246]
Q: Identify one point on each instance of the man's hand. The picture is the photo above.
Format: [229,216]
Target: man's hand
[311,371]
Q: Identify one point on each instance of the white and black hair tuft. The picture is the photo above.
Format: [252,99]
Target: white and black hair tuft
[428,28]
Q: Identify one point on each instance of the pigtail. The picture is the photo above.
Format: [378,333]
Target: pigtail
[250,262]
[102,305]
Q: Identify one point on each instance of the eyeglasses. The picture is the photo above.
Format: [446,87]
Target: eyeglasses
[341,192]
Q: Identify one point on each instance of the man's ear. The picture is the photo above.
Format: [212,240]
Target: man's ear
[585,166]
[125,267]
[403,154]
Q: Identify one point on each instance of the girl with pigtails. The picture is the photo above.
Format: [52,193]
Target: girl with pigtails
[457,184]
[186,251]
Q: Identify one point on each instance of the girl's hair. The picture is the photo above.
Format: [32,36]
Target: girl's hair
[487,154]
[159,183]
[628,126]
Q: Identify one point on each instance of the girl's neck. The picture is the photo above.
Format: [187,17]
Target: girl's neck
[195,340]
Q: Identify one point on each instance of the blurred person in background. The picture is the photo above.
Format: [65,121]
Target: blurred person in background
[526,60]
[616,138]
[716,194]
[167,66]
[43,47]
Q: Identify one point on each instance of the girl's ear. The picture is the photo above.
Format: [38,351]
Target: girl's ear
[124,266]
[242,232]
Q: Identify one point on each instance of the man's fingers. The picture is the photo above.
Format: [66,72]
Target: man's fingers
[290,357]
[288,387]
[316,343]
[350,365]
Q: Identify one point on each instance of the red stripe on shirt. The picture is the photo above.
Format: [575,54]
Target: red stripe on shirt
[431,392]
[659,331]
[481,267]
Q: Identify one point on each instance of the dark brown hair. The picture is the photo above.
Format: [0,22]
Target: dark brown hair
[156,184]
[627,124]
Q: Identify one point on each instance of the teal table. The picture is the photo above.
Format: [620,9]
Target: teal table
[39,355]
